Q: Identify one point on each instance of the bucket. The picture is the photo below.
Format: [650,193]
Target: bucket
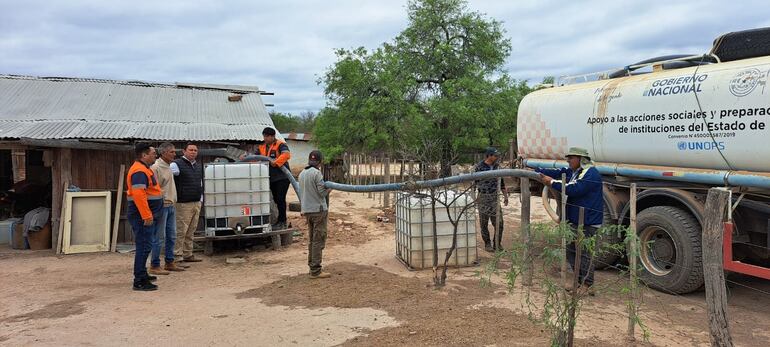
[40,239]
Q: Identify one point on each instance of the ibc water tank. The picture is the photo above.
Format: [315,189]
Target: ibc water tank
[414,229]
[236,198]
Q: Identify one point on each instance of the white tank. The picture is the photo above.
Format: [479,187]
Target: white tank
[655,119]
[414,229]
[236,198]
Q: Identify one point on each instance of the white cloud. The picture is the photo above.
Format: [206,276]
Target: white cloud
[283,46]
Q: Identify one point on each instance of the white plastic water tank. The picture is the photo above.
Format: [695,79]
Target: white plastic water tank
[414,229]
[236,198]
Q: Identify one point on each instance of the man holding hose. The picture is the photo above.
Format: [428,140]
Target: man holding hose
[583,189]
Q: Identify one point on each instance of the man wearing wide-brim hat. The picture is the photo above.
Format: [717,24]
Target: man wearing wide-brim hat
[583,189]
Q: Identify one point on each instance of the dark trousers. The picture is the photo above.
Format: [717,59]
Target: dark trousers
[489,206]
[279,190]
[143,240]
[586,275]
[316,224]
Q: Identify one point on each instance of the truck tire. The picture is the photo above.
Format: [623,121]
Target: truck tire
[609,257]
[670,250]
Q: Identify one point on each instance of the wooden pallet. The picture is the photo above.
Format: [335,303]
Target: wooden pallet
[278,238]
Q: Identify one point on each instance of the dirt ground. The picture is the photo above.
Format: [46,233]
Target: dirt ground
[371,300]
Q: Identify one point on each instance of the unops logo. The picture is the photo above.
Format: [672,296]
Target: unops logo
[700,146]
[745,82]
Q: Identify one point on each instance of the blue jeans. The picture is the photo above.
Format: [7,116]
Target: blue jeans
[142,238]
[166,230]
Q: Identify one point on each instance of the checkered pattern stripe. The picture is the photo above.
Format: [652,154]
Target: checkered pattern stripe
[535,139]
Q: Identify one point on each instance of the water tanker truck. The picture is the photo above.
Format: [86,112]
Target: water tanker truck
[676,126]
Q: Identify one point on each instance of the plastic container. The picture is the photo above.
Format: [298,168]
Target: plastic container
[16,232]
[6,230]
[414,229]
[236,198]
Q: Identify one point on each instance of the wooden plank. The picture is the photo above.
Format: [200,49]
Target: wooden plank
[61,172]
[633,258]
[62,214]
[118,206]
[713,272]
[386,197]
[525,220]
[564,224]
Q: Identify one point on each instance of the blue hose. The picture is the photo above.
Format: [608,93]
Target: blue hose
[411,185]
[433,183]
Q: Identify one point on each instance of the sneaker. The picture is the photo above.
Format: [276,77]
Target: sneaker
[145,287]
[156,270]
[192,259]
[320,275]
[151,278]
[278,226]
[173,267]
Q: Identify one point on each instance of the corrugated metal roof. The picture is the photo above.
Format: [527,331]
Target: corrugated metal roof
[69,108]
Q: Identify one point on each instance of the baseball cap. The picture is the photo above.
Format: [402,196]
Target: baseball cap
[315,158]
[492,151]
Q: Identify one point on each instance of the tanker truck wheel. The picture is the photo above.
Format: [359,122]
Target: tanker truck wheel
[607,257]
[670,250]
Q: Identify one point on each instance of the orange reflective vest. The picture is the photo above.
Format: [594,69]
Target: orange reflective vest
[143,191]
[274,151]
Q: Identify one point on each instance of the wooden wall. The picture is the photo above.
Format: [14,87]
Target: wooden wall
[89,170]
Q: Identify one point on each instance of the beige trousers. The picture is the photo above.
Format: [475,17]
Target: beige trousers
[187,214]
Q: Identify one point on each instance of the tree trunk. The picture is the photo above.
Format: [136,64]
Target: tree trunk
[713,272]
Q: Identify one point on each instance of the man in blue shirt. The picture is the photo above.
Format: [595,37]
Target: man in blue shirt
[489,200]
[583,189]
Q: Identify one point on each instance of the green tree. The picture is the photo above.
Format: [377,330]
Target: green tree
[287,123]
[442,77]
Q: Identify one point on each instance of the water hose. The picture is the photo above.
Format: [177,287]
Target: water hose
[547,205]
[294,184]
[416,185]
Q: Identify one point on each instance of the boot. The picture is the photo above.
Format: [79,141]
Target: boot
[489,248]
[320,275]
[172,267]
[145,286]
[156,270]
[192,259]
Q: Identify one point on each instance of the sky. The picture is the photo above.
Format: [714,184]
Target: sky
[285,46]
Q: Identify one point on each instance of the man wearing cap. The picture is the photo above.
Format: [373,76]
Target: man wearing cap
[583,189]
[315,208]
[279,155]
[489,201]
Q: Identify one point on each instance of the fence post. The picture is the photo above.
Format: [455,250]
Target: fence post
[633,254]
[576,279]
[386,201]
[713,271]
[564,225]
[525,217]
